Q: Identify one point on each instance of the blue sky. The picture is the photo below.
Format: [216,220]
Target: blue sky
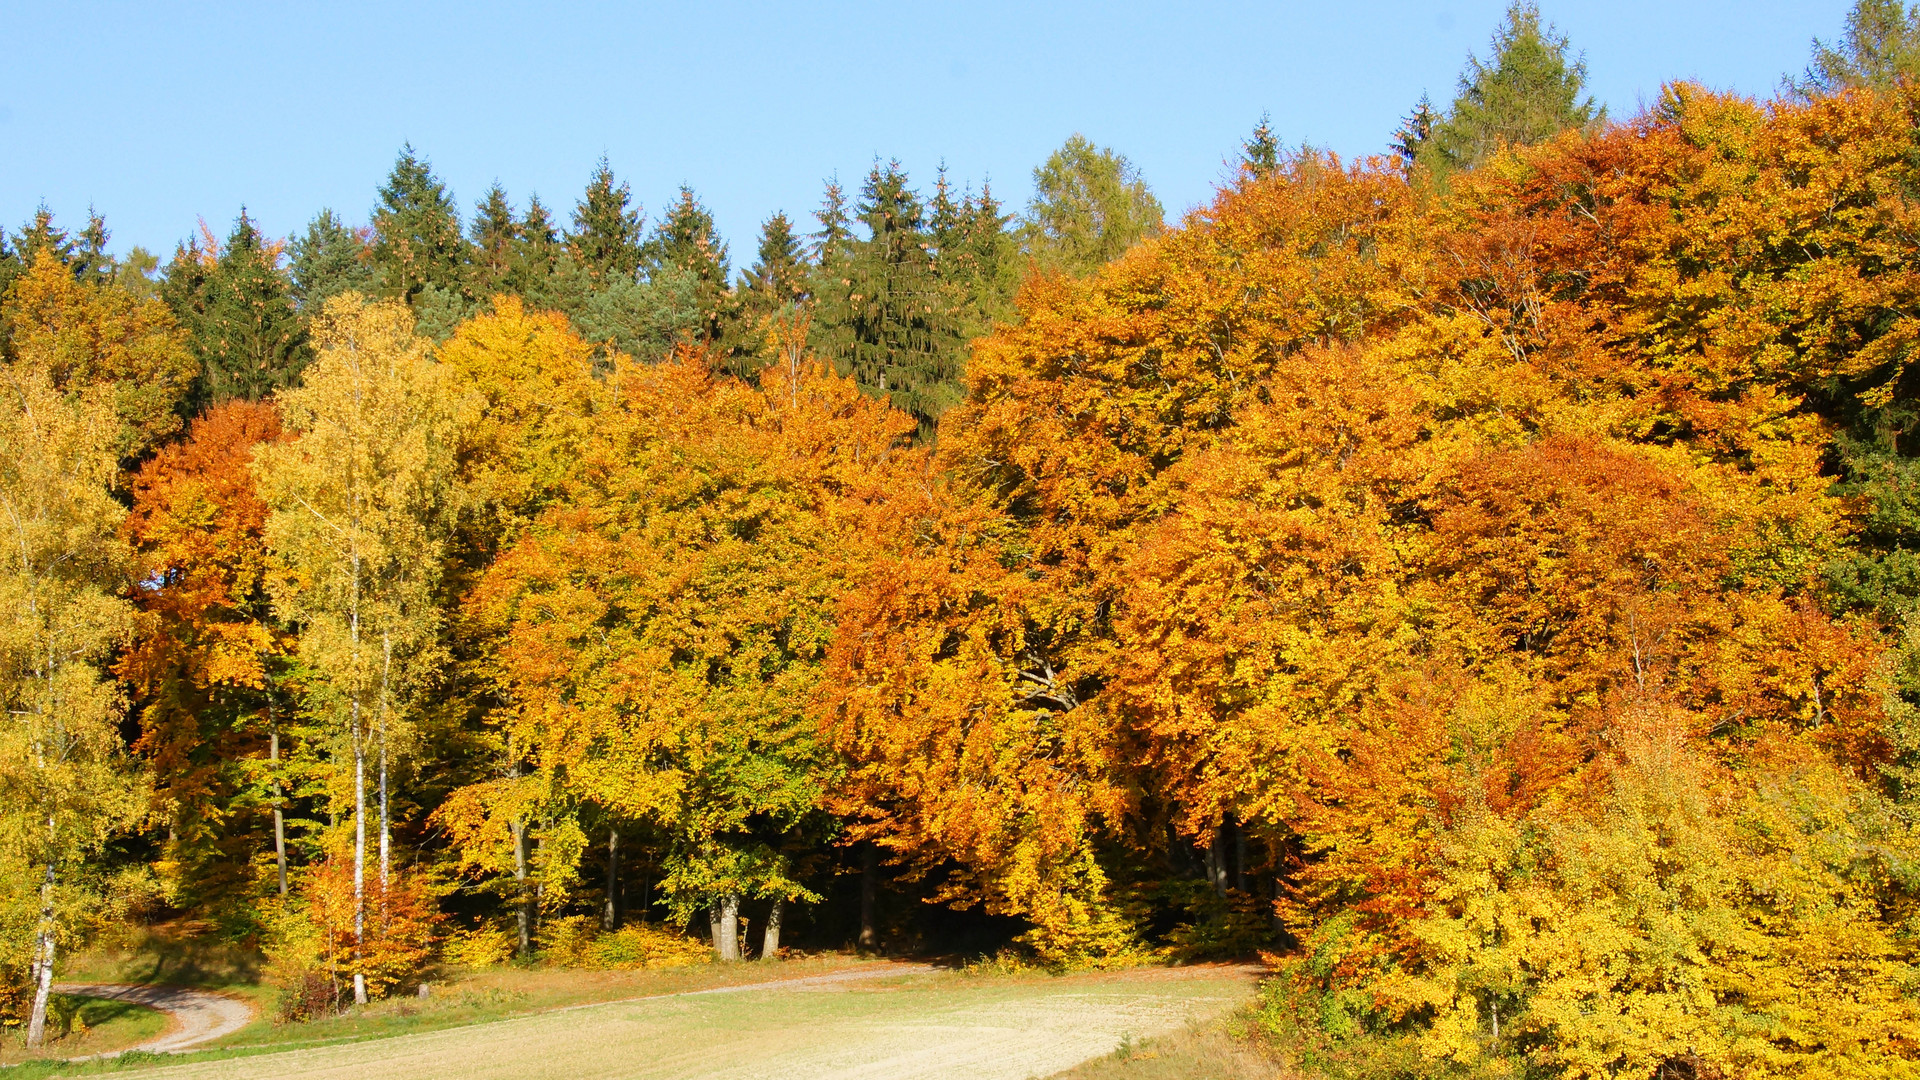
[159,113]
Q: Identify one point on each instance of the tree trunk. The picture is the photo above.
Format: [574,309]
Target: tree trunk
[279,818]
[524,913]
[770,943]
[611,921]
[730,927]
[42,963]
[386,830]
[1240,856]
[1217,860]
[869,889]
[713,931]
[359,860]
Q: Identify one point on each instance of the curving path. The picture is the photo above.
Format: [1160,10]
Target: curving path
[869,1025]
[198,1016]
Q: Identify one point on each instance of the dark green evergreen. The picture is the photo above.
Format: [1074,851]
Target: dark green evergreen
[416,228]
[328,260]
[495,235]
[606,238]
[240,320]
[774,286]
[1527,91]
[1260,154]
[1415,132]
[687,240]
[885,317]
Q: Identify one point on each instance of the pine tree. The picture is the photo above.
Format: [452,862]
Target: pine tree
[1260,154]
[417,242]
[246,333]
[885,316]
[495,232]
[329,260]
[1089,206]
[975,253]
[1881,46]
[537,254]
[836,227]
[1526,92]
[606,234]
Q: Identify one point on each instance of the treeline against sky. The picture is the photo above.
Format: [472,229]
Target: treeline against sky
[1481,576]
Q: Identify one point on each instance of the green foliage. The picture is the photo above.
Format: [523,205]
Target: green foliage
[1525,92]
[1089,206]
[330,259]
[1260,153]
[241,321]
[884,315]
[605,240]
[1880,47]
[416,230]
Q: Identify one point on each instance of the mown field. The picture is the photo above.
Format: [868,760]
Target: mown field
[927,1025]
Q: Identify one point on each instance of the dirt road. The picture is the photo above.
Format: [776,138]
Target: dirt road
[924,1026]
[196,1015]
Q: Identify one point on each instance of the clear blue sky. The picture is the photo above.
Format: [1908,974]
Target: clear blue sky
[157,113]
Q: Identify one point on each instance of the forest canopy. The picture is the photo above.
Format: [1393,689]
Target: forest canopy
[1481,577]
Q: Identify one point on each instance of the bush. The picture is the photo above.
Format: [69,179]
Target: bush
[576,942]
[484,947]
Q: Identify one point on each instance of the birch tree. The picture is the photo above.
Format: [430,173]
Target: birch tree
[64,787]
[360,500]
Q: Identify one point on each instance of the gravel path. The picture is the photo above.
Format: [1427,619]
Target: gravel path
[866,1025]
[198,1016]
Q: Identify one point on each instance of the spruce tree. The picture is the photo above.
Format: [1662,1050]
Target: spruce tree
[606,237]
[1089,206]
[1881,46]
[417,242]
[494,234]
[328,260]
[537,252]
[246,333]
[885,316]
[779,270]
[686,240]
[39,235]
[775,283]
[1527,91]
[1260,154]
[1416,131]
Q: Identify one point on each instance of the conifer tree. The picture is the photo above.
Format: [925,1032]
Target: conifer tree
[244,331]
[885,316]
[776,283]
[1880,47]
[687,241]
[494,233]
[330,259]
[1260,154]
[1525,92]
[1089,206]
[606,237]
[417,242]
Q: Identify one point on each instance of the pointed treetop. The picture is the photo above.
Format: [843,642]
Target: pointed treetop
[1260,153]
[1526,91]
[606,237]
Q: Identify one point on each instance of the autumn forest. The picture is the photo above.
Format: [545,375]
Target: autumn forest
[1482,579]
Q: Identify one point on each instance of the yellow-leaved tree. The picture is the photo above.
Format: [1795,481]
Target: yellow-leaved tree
[64,784]
[360,502]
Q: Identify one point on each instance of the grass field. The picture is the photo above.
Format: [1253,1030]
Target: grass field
[100,1027]
[934,1025]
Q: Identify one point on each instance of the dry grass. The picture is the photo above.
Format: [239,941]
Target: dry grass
[930,1026]
[1217,1050]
